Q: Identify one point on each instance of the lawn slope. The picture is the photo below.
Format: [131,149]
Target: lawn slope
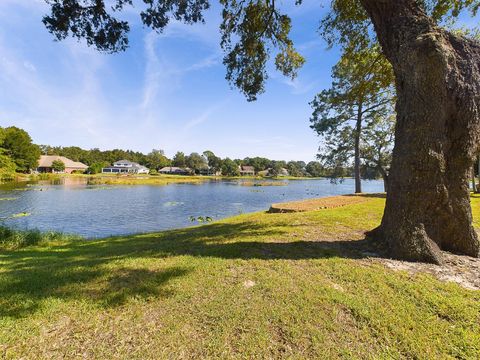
[259,285]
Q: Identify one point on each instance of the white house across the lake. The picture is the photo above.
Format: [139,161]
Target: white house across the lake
[125,167]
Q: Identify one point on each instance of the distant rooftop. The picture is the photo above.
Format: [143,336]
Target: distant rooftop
[47,160]
[247,168]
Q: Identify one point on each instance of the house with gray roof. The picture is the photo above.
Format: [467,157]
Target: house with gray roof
[173,170]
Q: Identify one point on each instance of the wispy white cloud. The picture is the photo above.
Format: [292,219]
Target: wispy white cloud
[35,104]
[299,86]
[204,116]
[211,60]
[29,66]
[161,74]
[154,71]
[207,33]
[197,121]
[313,44]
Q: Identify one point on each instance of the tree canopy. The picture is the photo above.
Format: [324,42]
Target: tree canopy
[230,168]
[362,91]
[376,149]
[156,159]
[251,31]
[17,144]
[196,162]
[58,165]
[7,165]
[179,159]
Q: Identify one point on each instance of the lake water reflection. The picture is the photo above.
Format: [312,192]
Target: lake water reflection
[99,211]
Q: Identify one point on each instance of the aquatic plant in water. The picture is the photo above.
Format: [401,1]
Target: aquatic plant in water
[173,203]
[22,214]
[201,219]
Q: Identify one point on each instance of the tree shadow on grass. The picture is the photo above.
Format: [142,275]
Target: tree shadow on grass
[371,195]
[137,283]
[83,270]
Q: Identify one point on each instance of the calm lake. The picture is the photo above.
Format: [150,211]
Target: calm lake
[98,210]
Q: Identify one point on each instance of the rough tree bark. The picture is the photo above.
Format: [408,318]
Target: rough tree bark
[358,129]
[436,136]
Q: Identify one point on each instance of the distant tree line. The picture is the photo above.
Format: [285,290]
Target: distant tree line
[19,154]
[96,159]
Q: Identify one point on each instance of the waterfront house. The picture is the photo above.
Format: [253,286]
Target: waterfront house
[45,164]
[209,171]
[246,170]
[271,172]
[125,167]
[283,172]
[173,170]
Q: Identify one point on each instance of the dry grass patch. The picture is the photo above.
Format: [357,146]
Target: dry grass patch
[319,203]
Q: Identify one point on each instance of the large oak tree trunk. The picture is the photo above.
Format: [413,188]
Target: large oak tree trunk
[437,132]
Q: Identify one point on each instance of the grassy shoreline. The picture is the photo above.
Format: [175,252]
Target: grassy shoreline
[252,286]
[13,239]
[160,179]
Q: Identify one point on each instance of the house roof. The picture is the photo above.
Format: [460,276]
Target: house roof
[134,164]
[247,168]
[133,167]
[47,160]
[125,162]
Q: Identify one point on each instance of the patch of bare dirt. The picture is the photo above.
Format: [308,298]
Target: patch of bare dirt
[463,270]
[317,204]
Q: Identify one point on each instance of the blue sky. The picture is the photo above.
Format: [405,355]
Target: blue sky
[167,91]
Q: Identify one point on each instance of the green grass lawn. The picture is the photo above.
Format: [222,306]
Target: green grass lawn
[254,286]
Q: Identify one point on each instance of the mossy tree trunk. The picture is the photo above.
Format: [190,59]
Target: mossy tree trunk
[438,86]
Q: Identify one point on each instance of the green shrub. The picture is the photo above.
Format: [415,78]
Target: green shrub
[58,166]
[96,168]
